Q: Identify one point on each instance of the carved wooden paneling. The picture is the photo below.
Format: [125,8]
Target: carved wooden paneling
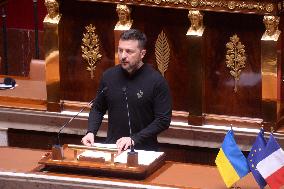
[174,23]
[75,81]
[220,97]
[212,94]
[21,48]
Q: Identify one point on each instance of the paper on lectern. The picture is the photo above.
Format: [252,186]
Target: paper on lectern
[98,154]
[144,157]
[101,145]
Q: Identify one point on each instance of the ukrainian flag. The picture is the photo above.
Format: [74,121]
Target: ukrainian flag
[230,161]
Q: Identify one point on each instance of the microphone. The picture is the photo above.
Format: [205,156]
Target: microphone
[128,115]
[57,151]
[132,156]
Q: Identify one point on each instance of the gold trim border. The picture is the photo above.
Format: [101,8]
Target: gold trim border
[228,6]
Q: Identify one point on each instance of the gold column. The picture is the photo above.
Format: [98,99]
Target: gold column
[51,48]
[124,23]
[194,40]
[270,59]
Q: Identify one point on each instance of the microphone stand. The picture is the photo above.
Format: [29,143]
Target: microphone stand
[57,150]
[132,156]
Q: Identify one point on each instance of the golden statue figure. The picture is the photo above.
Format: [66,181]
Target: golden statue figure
[53,15]
[124,20]
[196,20]
[271,28]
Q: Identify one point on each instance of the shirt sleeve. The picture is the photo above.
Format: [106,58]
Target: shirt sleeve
[162,107]
[98,110]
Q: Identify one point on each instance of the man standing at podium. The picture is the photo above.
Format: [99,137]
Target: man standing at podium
[136,97]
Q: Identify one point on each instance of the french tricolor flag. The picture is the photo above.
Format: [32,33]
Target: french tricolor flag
[271,164]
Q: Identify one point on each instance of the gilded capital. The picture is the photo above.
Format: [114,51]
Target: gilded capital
[124,20]
[53,15]
[196,21]
[271,28]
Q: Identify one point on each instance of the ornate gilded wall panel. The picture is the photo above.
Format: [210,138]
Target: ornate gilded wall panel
[215,89]
[219,84]
[174,23]
[76,83]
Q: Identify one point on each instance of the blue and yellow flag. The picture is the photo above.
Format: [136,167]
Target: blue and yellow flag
[230,161]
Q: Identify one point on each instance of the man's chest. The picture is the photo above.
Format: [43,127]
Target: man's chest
[137,93]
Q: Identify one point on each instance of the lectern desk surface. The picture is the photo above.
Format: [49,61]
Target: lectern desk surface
[171,174]
[104,165]
[28,94]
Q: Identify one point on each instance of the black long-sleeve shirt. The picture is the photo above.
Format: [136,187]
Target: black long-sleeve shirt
[149,103]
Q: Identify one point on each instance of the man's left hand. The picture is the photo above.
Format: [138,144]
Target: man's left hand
[123,144]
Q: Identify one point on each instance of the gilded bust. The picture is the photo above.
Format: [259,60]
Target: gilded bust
[124,20]
[52,12]
[196,20]
[271,28]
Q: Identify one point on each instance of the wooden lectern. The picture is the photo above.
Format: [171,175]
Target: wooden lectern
[75,158]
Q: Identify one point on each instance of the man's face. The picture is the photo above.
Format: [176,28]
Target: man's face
[270,27]
[122,16]
[130,55]
[194,21]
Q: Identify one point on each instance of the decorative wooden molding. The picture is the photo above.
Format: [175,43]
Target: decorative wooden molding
[235,121]
[208,5]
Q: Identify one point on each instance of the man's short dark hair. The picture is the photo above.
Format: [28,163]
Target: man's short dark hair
[134,34]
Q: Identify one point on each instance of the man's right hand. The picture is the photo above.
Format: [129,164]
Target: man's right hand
[88,139]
